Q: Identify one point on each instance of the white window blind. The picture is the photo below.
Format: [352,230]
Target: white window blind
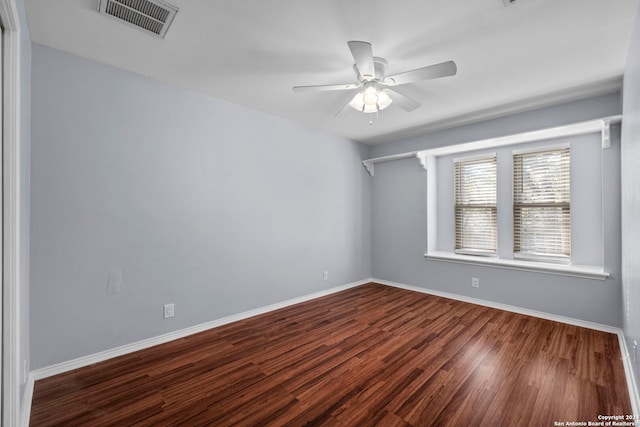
[541,209]
[475,206]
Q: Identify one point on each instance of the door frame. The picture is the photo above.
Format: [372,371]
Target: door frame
[11,216]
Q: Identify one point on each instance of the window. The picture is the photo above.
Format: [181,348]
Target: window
[541,205]
[475,206]
[551,214]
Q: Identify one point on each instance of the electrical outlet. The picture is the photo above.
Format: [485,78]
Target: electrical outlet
[325,275]
[475,282]
[169,310]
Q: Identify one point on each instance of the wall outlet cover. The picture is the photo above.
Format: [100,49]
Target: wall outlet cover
[169,310]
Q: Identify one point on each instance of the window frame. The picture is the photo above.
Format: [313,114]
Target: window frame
[437,249]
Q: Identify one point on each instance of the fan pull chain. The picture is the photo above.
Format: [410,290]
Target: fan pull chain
[377,115]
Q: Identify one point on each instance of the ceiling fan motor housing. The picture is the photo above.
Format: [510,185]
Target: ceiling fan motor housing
[380,66]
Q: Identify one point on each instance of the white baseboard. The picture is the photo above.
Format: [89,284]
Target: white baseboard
[500,306]
[628,371]
[25,411]
[140,345]
[161,339]
[634,396]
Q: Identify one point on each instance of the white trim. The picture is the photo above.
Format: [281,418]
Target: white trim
[542,148]
[521,138]
[472,158]
[11,376]
[582,271]
[628,372]
[161,339]
[518,138]
[10,17]
[606,134]
[432,208]
[25,412]
[368,164]
[422,159]
[501,306]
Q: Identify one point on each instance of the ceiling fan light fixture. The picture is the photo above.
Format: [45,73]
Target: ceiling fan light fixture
[384,100]
[370,100]
[370,96]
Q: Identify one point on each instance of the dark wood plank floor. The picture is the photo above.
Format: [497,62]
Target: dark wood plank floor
[371,355]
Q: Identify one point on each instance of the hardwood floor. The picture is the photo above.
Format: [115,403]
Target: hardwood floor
[371,355]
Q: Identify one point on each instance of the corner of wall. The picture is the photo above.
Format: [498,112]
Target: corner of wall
[630,182]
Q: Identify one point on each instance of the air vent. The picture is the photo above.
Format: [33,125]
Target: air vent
[153,16]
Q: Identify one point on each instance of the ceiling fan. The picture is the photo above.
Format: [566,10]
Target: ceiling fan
[375,91]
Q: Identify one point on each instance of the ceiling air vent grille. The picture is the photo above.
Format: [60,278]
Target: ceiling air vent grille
[154,16]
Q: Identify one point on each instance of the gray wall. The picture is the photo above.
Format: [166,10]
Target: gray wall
[189,199]
[400,225]
[631,193]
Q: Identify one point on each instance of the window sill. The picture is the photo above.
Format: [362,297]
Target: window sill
[582,271]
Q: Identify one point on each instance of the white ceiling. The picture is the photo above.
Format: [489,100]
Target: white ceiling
[252,52]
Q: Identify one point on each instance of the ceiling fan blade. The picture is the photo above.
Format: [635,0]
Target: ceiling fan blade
[436,71]
[324,88]
[405,102]
[345,107]
[363,57]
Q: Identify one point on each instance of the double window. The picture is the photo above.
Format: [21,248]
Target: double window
[541,205]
